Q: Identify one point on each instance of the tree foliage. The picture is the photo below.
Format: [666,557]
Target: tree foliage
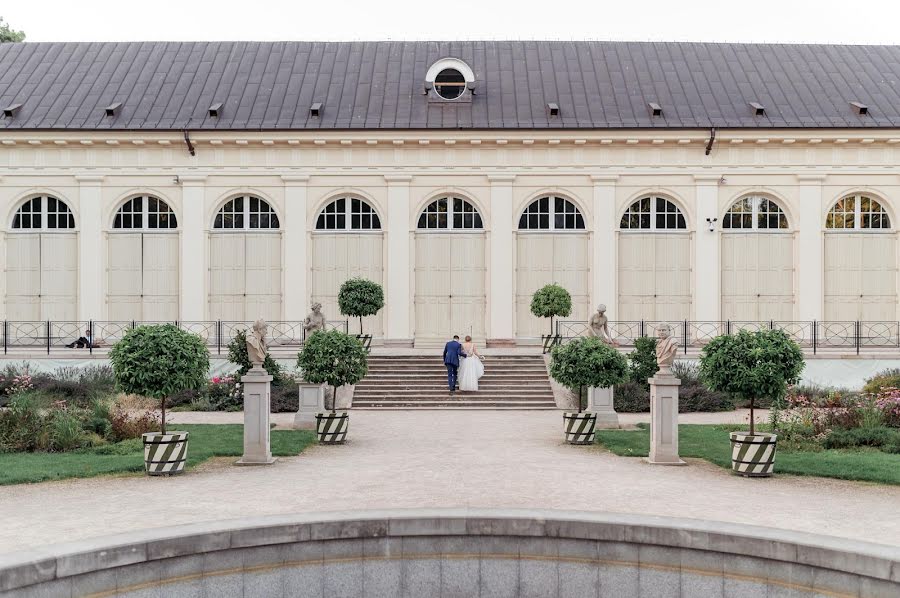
[159,361]
[752,365]
[587,362]
[360,297]
[550,301]
[237,354]
[333,358]
[642,361]
[8,34]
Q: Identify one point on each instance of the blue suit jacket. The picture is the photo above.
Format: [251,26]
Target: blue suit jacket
[452,352]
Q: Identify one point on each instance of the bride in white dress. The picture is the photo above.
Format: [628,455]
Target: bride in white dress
[470,368]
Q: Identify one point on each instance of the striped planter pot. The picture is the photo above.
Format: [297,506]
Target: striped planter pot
[580,427]
[165,454]
[331,428]
[753,456]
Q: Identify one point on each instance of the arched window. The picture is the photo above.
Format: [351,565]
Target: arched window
[857,212]
[44,212]
[755,212]
[145,212]
[551,213]
[653,213]
[246,212]
[450,213]
[348,213]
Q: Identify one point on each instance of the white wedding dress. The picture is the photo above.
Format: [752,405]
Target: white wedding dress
[470,369]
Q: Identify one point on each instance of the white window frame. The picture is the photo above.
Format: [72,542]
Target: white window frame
[246,216]
[754,215]
[145,216]
[44,216]
[653,213]
[348,218]
[451,212]
[857,215]
[551,200]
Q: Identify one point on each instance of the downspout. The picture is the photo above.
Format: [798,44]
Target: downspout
[709,146]
[187,140]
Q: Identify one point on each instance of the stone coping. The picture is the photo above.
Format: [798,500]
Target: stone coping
[24,569]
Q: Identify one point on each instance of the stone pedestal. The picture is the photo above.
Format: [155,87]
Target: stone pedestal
[312,401]
[257,405]
[664,419]
[600,401]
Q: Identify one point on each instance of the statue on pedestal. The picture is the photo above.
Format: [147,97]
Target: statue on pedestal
[666,349]
[598,326]
[256,343]
[315,321]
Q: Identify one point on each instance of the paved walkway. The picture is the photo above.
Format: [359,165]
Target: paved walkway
[445,459]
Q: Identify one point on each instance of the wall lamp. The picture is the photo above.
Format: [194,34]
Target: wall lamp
[712,224]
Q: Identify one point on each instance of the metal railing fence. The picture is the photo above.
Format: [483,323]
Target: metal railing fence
[815,335]
[50,334]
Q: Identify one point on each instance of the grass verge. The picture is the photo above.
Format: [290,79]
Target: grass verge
[206,440]
[712,444]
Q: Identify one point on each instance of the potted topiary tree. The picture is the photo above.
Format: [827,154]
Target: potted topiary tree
[584,363]
[551,301]
[336,359]
[161,361]
[751,365]
[360,297]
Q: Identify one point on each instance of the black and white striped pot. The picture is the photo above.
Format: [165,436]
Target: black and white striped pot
[753,456]
[331,428]
[580,427]
[165,454]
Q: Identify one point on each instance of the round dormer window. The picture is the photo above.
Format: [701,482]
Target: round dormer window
[450,84]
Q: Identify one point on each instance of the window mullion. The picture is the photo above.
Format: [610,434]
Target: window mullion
[857,212]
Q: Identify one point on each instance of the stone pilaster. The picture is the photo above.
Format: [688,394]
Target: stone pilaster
[500,293]
[398,302]
[810,249]
[604,264]
[707,269]
[90,248]
[193,248]
[296,257]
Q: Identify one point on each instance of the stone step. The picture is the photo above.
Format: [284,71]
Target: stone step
[504,404]
[444,393]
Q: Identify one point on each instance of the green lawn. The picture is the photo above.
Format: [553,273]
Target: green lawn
[712,443]
[205,441]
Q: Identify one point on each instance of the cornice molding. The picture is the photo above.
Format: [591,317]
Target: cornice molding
[707,178]
[604,178]
[817,177]
[398,178]
[89,178]
[295,178]
[192,178]
[501,178]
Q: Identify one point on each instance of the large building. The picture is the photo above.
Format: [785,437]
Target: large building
[671,181]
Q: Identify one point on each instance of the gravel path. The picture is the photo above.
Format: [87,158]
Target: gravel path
[444,459]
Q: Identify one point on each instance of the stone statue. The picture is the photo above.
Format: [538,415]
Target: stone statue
[666,348]
[599,326]
[256,343]
[315,321]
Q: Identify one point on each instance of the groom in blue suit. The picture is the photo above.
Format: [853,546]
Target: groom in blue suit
[452,352]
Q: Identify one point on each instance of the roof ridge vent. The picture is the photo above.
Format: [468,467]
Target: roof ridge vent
[553,107]
[215,110]
[655,109]
[113,108]
[758,109]
[315,110]
[11,110]
[860,108]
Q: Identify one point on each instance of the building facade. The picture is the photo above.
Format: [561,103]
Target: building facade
[759,222]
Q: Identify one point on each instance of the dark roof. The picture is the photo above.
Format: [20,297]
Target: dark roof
[379,85]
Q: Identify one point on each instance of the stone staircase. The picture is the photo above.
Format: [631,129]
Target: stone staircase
[409,382]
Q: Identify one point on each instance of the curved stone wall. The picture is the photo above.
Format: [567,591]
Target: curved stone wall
[457,553]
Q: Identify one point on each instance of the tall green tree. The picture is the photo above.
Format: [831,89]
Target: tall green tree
[8,34]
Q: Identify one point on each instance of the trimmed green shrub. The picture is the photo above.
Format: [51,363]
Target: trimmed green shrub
[750,365]
[642,361]
[237,354]
[889,378]
[551,301]
[631,397]
[332,358]
[587,362]
[857,437]
[360,297]
[158,362]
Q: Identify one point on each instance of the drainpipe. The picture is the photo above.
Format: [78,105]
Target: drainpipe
[709,146]
[187,140]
